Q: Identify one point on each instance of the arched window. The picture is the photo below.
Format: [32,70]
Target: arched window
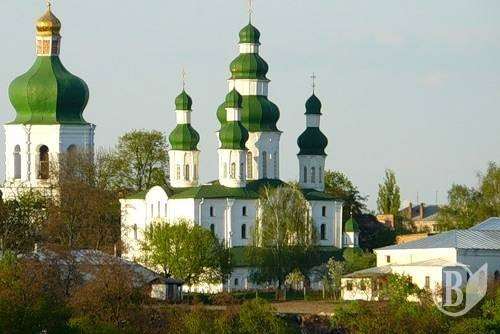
[320,175]
[186,172]
[249,165]
[323,232]
[244,211]
[275,165]
[236,282]
[212,228]
[313,175]
[195,171]
[43,168]
[323,211]
[496,275]
[233,170]
[243,231]
[17,162]
[305,174]
[264,165]
[212,214]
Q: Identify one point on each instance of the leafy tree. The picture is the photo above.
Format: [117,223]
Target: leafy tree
[31,300]
[338,184]
[469,205]
[185,251]
[21,220]
[373,234]
[356,259]
[140,160]
[283,237]
[257,316]
[332,273]
[389,199]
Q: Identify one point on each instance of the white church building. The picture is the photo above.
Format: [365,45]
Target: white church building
[49,103]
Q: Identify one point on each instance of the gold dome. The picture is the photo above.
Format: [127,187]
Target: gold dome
[48,24]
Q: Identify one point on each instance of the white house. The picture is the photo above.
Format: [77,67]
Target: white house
[426,260]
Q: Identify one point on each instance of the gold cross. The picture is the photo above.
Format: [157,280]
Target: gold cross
[183,79]
[49,4]
[313,77]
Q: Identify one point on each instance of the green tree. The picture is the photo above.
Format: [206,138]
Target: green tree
[356,259]
[469,205]
[331,273]
[186,251]
[389,199]
[257,316]
[284,236]
[140,160]
[338,185]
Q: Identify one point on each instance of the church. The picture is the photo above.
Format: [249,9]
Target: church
[49,103]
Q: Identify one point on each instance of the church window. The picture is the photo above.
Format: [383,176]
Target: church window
[242,170]
[236,282]
[159,208]
[43,168]
[178,172]
[195,171]
[212,228]
[243,231]
[186,172]
[233,170]
[275,162]
[249,165]
[320,175]
[305,174]
[212,214]
[244,211]
[264,165]
[17,162]
[225,170]
[427,282]
[496,276]
[323,211]
[323,232]
[313,175]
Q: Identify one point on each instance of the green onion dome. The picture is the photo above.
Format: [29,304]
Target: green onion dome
[313,106]
[183,101]
[249,66]
[312,142]
[48,94]
[351,225]
[233,99]
[184,138]
[233,136]
[221,113]
[249,34]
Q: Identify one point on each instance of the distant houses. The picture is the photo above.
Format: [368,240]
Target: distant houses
[426,260]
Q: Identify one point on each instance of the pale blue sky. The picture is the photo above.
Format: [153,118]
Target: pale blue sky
[408,85]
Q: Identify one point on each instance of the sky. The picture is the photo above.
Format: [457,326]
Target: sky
[412,85]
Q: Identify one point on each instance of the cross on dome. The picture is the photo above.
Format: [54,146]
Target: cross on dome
[183,73]
[313,77]
[250,10]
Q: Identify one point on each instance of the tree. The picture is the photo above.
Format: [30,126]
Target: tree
[85,212]
[469,205]
[185,251]
[21,220]
[331,273]
[257,316]
[140,160]
[389,199]
[356,259]
[338,185]
[283,237]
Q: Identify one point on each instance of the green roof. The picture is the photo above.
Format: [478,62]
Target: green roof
[259,114]
[249,66]
[313,106]
[183,101]
[234,99]
[184,138]
[249,34]
[48,94]
[312,142]
[233,136]
[351,225]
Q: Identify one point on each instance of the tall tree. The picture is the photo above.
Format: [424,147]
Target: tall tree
[186,251]
[389,198]
[469,205]
[338,184]
[283,237]
[141,160]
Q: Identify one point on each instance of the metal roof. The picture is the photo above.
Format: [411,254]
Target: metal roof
[459,239]
[374,271]
[490,224]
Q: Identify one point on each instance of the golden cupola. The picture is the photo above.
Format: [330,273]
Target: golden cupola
[48,24]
